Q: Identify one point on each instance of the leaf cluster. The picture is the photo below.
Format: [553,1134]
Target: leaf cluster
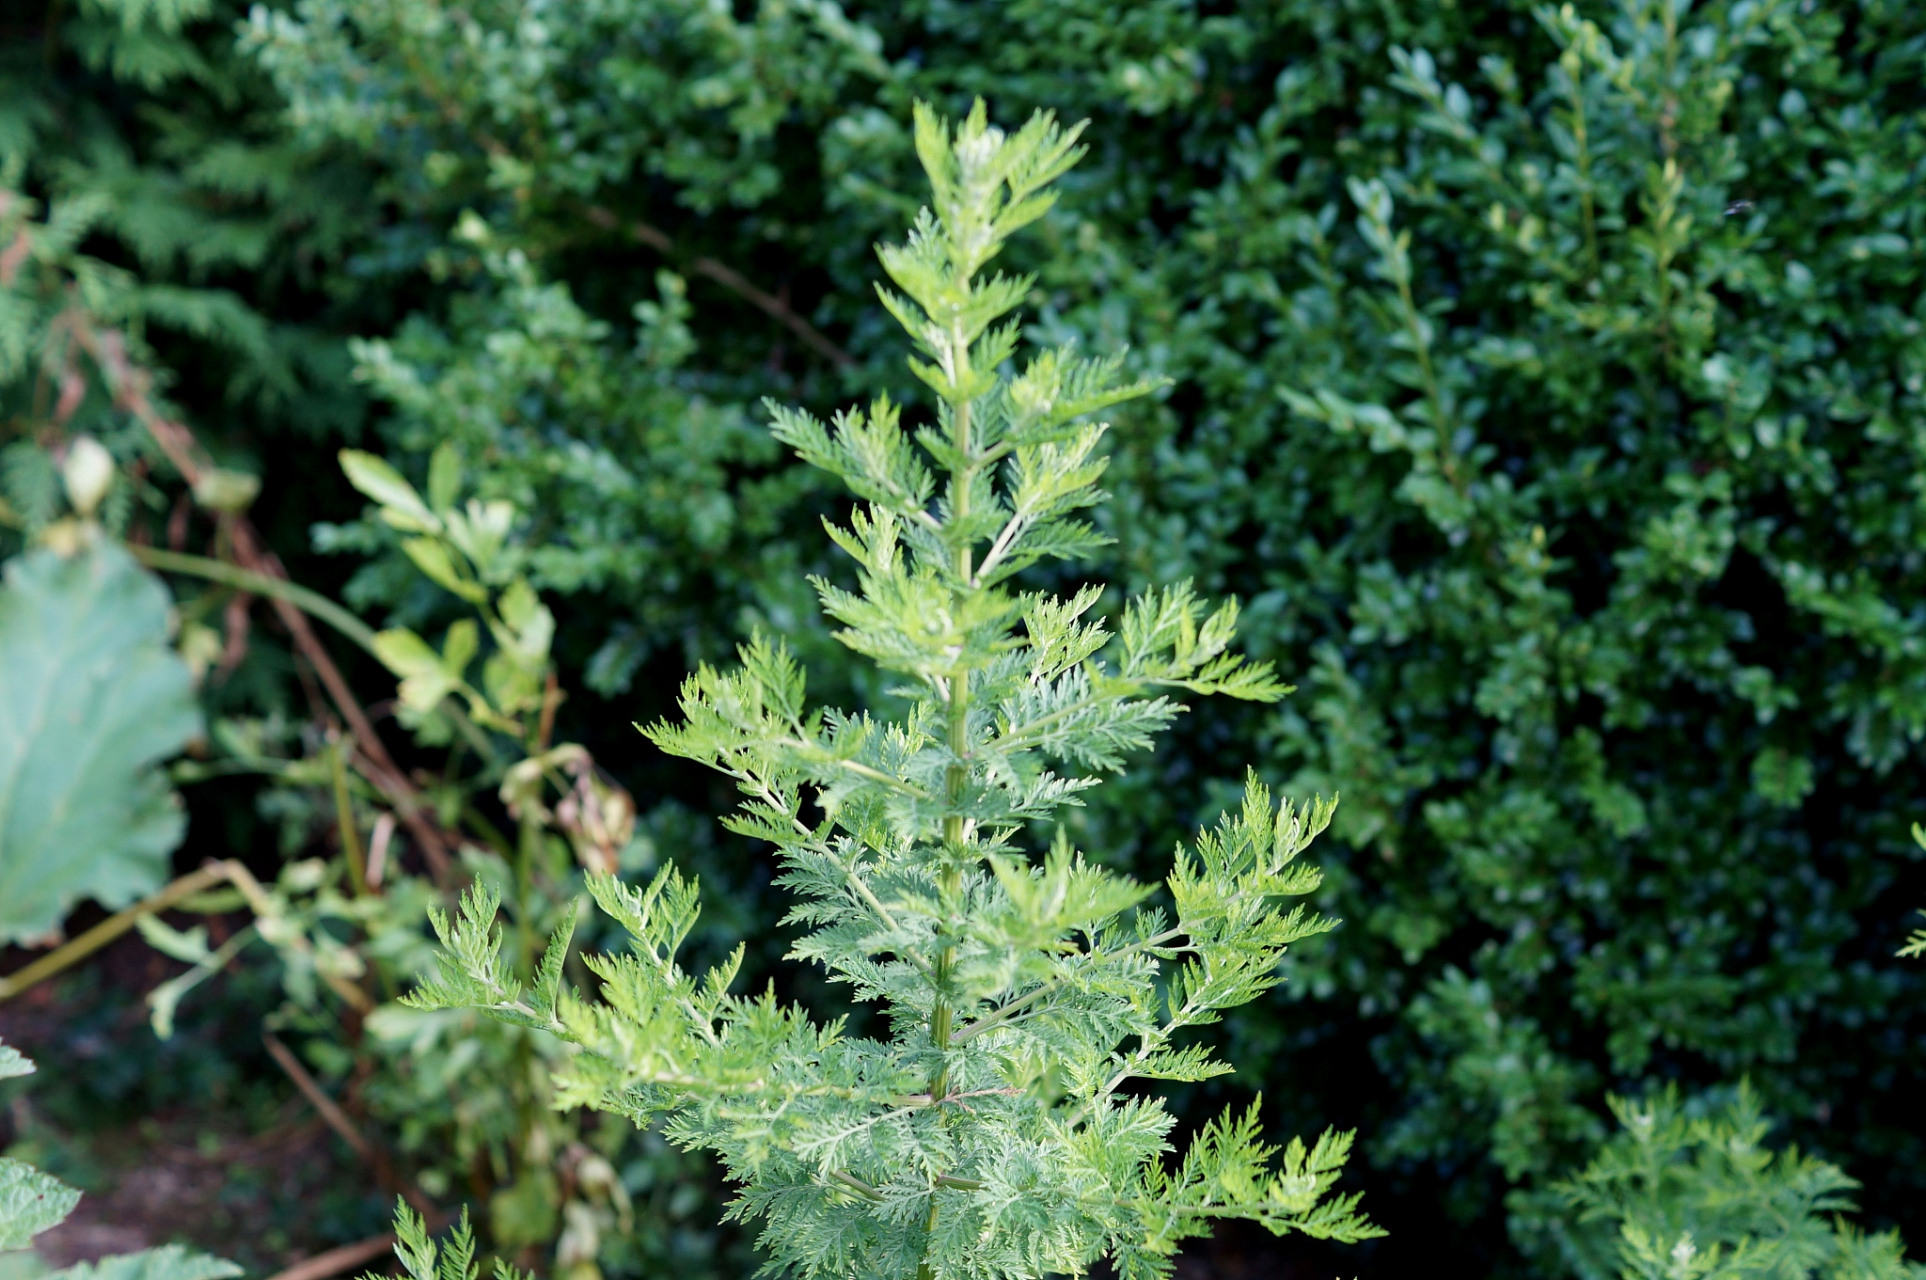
[467,551]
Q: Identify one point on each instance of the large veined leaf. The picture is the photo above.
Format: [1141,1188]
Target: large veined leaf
[30,1201]
[169,1262]
[91,699]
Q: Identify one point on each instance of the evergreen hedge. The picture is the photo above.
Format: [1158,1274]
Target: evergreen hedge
[1547,382]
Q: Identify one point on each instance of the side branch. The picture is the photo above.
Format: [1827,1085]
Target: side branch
[767,795]
[107,930]
[1021,1005]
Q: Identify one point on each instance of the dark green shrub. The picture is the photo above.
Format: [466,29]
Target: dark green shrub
[1550,393]
[1547,388]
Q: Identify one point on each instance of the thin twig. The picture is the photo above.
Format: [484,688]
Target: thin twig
[260,584]
[230,870]
[729,278]
[338,1120]
[335,1261]
[656,238]
[384,831]
[310,1088]
[385,774]
[235,618]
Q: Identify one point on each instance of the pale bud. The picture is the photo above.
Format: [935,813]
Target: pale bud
[87,471]
[228,492]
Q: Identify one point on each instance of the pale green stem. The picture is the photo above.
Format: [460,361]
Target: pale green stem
[956,777]
[228,575]
[344,816]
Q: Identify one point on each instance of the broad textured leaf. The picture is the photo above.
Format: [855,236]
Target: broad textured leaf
[169,1262]
[93,698]
[30,1202]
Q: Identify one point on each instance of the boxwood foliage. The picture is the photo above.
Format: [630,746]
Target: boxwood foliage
[1548,382]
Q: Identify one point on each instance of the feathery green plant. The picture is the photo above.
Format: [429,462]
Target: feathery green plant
[1692,1192]
[1916,942]
[423,1259]
[994,1131]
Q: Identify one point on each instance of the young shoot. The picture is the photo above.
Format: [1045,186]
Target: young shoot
[1001,1127]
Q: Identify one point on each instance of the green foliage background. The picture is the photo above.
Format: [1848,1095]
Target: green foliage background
[1550,394]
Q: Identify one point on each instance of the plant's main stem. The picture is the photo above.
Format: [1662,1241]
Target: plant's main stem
[956,776]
